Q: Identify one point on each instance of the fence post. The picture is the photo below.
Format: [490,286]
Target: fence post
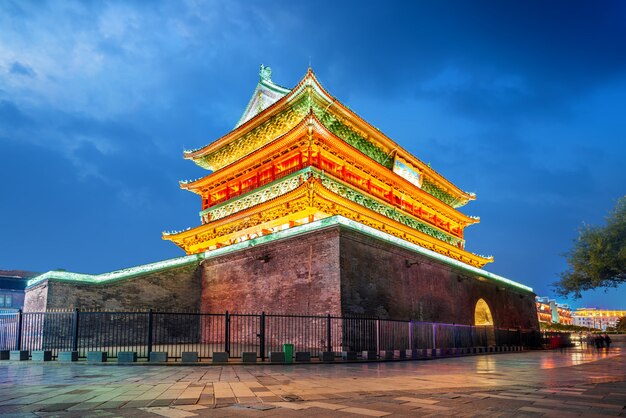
[453,335]
[18,335]
[150,326]
[519,336]
[329,335]
[471,336]
[262,336]
[410,335]
[434,336]
[75,330]
[227,333]
[377,335]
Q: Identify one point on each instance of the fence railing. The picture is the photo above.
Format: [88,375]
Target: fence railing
[235,333]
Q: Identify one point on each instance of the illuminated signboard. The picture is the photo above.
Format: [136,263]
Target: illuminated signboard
[407,172]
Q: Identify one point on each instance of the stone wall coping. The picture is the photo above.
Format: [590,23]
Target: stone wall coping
[117,274]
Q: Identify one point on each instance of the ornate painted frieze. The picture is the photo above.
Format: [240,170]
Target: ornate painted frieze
[256,138]
[388,211]
[291,182]
[257,197]
[351,137]
[203,240]
[430,188]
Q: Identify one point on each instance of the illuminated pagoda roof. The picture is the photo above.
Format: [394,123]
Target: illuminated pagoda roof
[248,136]
[297,156]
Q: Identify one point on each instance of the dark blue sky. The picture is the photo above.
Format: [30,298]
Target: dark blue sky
[521,102]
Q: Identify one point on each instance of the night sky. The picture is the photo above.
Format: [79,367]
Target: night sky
[521,102]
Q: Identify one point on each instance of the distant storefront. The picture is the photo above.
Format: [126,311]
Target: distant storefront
[597,318]
[551,312]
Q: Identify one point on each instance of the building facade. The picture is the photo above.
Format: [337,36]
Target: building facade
[551,312]
[12,287]
[564,313]
[307,208]
[544,310]
[597,318]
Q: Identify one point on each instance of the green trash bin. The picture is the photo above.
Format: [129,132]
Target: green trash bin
[288,350]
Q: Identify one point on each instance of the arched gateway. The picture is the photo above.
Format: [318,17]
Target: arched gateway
[482,313]
[484,319]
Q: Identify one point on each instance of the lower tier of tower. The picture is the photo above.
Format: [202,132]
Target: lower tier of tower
[330,266]
[304,197]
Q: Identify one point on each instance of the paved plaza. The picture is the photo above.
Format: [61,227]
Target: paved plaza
[574,382]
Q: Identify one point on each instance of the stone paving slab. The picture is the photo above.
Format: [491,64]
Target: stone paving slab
[541,383]
[365,412]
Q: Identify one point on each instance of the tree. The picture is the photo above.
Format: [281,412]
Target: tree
[621,324]
[598,258]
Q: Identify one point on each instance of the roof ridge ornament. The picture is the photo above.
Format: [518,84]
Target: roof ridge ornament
[265,73]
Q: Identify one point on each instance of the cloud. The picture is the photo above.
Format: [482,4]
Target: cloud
[18,68]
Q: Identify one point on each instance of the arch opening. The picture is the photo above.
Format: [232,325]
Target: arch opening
[483,319]
[482,313]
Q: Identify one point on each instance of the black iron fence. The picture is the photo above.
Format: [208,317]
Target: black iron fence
[235,333]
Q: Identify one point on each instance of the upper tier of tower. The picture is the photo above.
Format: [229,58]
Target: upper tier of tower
[274,110]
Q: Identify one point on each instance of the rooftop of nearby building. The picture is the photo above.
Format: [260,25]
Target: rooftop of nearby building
[15,279]
[582,312]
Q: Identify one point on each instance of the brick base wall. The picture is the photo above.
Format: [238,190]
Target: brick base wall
[384,280]
[296,276]
[335,270]
[174,289]
[36,298]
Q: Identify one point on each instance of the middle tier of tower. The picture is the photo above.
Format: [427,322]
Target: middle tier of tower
[244,183]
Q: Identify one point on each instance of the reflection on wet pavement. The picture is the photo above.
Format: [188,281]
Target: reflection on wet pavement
[519,382]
